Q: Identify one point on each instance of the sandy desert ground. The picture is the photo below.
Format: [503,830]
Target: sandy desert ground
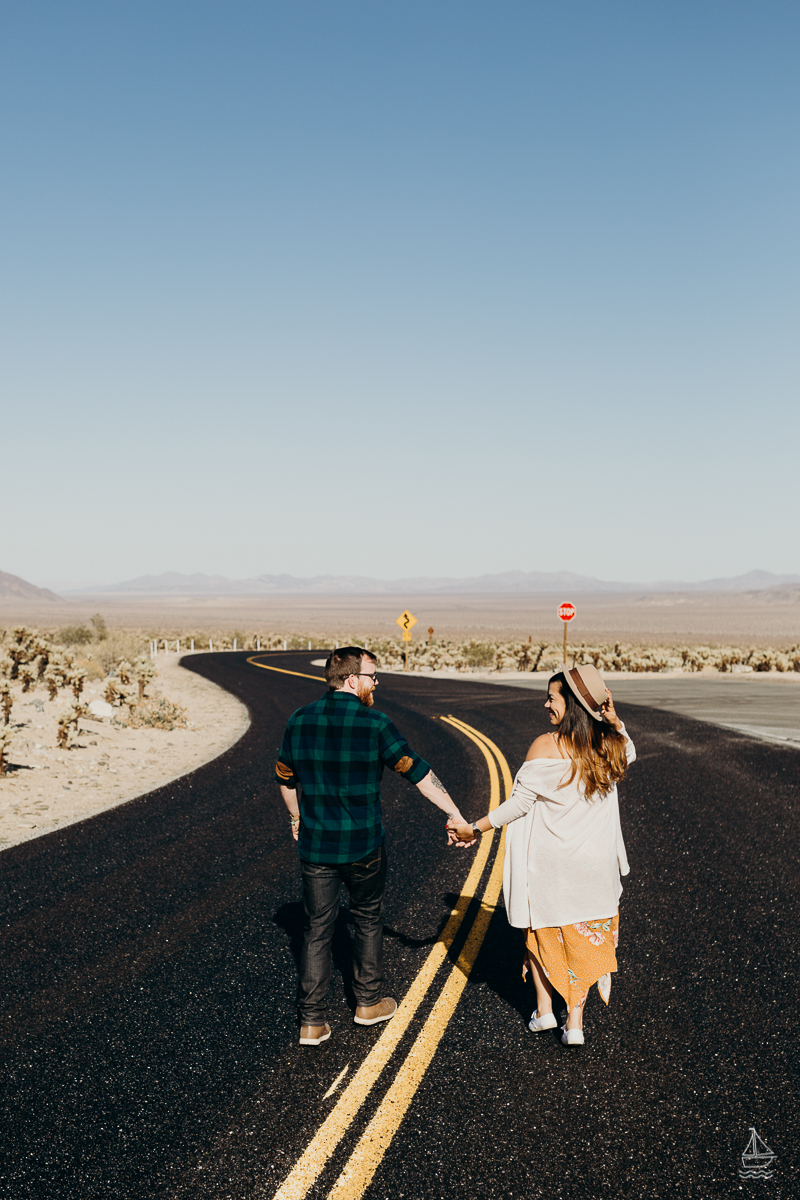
[752,618]
[47,788]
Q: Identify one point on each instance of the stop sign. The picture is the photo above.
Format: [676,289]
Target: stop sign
[566,611]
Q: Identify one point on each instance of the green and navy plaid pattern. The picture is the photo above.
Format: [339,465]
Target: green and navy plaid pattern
[337,748]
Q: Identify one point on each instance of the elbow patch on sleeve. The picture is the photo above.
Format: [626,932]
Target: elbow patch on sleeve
[405,764]
[282,771]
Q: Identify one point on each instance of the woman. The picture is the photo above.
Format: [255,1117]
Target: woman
[564,848]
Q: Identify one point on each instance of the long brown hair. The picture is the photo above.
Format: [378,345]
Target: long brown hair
[596,749]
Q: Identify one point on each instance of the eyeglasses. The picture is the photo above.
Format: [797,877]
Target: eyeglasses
[367,675]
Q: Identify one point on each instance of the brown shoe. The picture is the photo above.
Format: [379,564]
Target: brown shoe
[312,1035]
[384,1010]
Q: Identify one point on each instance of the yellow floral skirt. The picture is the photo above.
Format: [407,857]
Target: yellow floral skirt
[573,957]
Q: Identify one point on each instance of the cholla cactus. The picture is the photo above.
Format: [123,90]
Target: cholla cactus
[51,682]
[20,650]
[124,671]
[6,701]
[27,677]
[59,668]
[29,648]
[66,722]
[5,744]
[17,654]
[62,732]
[115,695]
[144,672]
[76,680]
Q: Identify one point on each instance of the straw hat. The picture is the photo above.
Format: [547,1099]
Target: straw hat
[586,684]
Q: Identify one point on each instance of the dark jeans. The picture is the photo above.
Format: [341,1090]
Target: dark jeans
[322,889]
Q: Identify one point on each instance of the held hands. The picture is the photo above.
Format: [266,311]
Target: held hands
[455,821]
[294,823]
[460,832]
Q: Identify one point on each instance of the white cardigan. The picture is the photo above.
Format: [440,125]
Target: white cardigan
[564,853]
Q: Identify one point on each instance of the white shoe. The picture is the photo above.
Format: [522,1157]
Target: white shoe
[571,1037]
[537,1023]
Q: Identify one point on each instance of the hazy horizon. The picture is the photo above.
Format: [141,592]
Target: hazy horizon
[755,579]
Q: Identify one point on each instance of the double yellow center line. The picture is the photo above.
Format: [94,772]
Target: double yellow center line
[376,1138]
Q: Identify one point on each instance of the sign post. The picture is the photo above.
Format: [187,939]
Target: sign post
[406,620]
[566,613]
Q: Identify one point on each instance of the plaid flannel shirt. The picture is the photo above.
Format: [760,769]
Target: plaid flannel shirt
[336,750]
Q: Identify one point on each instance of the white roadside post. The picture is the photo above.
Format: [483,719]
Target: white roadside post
[258,644]
[284,643]
[166,647]
[177,645]
[210,646]
[192,645]
[234,643]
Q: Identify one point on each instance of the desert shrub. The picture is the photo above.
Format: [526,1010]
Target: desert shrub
[298,641]
[89,664]
[157,713]
[118,646]
[100,628]
[74,635]
[478,654]
[437,656]
[6,702]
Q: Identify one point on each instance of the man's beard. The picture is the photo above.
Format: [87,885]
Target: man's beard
[364,692]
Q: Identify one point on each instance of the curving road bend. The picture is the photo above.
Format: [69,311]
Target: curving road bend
[149,970]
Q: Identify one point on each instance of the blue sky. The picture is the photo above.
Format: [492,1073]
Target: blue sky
[399,288]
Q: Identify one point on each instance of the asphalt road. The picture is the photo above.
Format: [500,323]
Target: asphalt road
[149,973]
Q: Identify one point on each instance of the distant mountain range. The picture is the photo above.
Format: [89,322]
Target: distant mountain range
[171,583]
[14,588]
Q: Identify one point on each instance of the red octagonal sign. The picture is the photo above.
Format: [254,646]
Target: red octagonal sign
[566,611]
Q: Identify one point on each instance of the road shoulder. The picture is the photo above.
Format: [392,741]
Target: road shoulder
[47,788]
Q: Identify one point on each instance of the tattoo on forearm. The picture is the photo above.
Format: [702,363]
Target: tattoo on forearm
[437,783]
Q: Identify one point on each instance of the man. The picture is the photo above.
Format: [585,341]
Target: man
[336,750]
